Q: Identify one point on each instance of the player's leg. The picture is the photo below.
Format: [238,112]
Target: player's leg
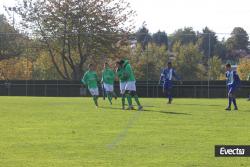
[132,87]
[95,93]
[230,98]
[122,91]
[166,92]
[114,95]
[109,90]
[109,94]
[170,96]
[234,98]
[135,96]
[129,98]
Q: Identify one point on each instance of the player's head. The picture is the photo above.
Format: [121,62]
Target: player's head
[117,64]
[228,67]
[122,62]
[91,67]
[106,65]
[169,64]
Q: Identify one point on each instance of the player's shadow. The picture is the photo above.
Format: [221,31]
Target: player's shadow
[167,112]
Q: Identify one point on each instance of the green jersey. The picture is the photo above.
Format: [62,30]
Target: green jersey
[108,76]
[128,71]
[120,74]
[90,79]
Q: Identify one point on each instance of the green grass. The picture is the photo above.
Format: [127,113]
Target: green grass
[71,132]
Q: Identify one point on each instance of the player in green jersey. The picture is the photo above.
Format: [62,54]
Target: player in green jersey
[108,79]
[130,87]
[90,79]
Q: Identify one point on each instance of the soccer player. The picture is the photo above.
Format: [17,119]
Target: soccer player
[130,87]
[167,76]
[108,79]
[90,79]
[233,82]
[122,80]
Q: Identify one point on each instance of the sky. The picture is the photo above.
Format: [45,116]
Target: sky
[169,15]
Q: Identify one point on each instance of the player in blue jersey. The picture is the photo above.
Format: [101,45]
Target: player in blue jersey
[166,78]
[233,83]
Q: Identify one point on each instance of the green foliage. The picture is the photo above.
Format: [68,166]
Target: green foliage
[160,38]
[207,42]
[243,69]
[184,36]
[146,63]
[143,37]
[11,42]
[239,39]
[215,68]
[75,31]
[188,61]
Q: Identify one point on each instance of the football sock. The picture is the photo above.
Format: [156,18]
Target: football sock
[137,100]
[234,102]
[95,98]
[123,100]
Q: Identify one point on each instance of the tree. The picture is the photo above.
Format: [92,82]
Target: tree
[208,42]
[215,68]
[75,31]
[188,61]
[143,37]
[244,68]
[146,63]
[11,42]
[160,38]
[239,39]
[184,36]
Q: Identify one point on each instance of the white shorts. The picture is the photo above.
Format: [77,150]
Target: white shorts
[108,87]
[122,87]
[130,85]
[94,91]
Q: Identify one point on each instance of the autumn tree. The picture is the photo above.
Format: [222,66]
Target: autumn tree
[75,31]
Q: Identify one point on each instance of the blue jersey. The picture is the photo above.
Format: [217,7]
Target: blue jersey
[167,76]
[233,79]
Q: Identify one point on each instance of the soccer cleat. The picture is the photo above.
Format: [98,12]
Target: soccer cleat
[130,108]
[228,109]
[236,108]
[140,108]
[170,101]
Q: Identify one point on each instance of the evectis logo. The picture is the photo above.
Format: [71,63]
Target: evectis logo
[237,151]
[232,151]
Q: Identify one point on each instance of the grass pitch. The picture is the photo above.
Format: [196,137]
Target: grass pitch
[71,132]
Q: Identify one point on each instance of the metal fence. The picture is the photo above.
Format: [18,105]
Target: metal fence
[58,88]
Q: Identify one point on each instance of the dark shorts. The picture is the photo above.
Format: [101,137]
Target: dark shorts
[168,85]
[231,89]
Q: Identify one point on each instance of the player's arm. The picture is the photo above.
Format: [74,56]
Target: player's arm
[236,79]
[161,77]
[84,79]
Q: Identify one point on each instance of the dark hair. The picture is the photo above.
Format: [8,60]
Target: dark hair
[90,65]
[169,63]
[122,62]
[228,65]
